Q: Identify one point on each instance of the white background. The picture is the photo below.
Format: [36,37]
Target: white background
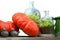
[9,7]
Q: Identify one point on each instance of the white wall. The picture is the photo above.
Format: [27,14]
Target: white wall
[9,7]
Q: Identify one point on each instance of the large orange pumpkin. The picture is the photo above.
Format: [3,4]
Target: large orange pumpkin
[26,24]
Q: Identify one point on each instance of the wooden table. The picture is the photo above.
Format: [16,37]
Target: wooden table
[31,38]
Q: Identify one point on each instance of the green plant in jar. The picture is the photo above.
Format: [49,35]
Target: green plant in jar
[46,25]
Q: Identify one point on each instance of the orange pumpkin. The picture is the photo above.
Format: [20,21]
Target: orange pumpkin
[12,25]
[8,26]
[26,24]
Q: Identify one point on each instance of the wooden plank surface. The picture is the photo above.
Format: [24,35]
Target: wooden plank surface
[45,37]
[29,38]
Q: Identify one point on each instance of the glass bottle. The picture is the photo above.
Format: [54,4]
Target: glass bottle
[47,23]
[32,10]
[47,17]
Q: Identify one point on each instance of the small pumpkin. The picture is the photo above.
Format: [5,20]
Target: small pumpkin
[12,25]
[8,26]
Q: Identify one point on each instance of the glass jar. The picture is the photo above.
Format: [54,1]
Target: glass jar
[47,19]
[47,24]
[32,10]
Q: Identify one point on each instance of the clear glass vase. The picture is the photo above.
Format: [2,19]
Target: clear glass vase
[32,10]
[48,26]
[47,17]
